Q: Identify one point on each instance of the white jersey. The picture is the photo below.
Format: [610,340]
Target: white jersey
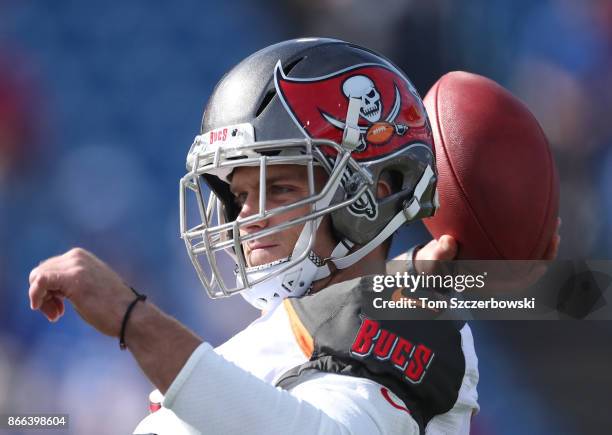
[231,390]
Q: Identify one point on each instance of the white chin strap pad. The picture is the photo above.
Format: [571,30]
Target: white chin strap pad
[292,283]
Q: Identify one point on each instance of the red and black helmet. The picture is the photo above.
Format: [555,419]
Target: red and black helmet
[342,106]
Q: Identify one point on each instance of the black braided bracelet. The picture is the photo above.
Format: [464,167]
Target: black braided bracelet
[411,254]
[130,307]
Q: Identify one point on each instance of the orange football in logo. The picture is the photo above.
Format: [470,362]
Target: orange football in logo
[379,133]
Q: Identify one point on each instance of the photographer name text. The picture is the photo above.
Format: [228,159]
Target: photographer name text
[453,303]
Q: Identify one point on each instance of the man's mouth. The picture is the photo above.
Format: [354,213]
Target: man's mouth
[255,246]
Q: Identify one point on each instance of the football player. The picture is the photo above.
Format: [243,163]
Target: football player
[312,153]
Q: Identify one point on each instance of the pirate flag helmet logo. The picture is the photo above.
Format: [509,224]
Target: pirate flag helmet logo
[391,114]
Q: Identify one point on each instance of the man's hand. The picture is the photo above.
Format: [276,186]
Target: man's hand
[516,276]
[96,291]
[553,246]
[160,344]
[445,248]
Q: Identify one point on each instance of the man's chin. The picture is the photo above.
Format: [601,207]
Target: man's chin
[259,257]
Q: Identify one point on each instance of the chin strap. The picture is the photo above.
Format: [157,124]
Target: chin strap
[351,138]
[410,211]
[340,250]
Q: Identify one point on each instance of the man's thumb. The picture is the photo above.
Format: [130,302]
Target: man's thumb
[446,248]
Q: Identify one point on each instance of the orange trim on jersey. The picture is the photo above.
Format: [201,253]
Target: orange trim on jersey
[301,334]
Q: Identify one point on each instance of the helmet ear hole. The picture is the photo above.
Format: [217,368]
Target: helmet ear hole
[389,182]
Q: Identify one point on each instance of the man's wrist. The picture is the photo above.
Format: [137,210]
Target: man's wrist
[126,317]
[159,343]
[411,258]
[137,328]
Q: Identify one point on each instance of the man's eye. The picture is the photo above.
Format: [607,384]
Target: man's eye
[279,190]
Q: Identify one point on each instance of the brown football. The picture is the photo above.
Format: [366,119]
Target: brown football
[498,185]
[379,133]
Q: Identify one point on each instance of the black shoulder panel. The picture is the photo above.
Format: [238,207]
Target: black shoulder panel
[421,361]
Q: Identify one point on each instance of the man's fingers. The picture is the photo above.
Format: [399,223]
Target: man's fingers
[447,248]
[60,306]
[57,262]
[553,245]
[53,308]
[443,249]
[44,281]
[57,298]
[33,275]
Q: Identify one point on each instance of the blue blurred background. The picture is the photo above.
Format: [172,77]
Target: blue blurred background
[99,102]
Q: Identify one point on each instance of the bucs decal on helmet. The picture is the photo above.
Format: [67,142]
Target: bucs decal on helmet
[365,205]
[391,115]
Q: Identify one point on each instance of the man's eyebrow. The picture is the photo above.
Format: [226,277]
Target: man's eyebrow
[288,176]
[280,177]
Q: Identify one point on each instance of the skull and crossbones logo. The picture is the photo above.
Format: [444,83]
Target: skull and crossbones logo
[371,109]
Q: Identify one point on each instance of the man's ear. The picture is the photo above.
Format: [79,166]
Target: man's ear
[389,182]
[383,187]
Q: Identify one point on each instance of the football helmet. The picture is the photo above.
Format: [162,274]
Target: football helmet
[311,102]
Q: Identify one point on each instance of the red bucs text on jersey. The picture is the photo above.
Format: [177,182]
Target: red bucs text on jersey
[373,341]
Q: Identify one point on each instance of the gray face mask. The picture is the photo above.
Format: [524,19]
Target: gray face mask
[216,239]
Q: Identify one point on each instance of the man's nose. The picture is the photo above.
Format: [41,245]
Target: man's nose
[250,208]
